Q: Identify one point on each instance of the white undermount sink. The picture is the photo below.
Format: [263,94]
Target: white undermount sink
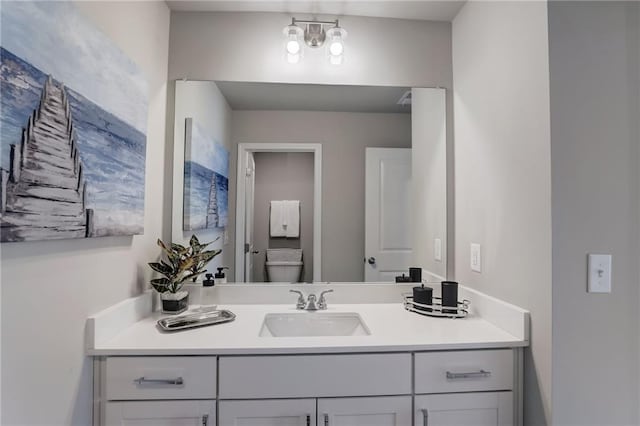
[307,324]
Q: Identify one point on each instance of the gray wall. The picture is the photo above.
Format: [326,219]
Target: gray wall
[248,47]
[49,288]
[595,138]
[344,137]
[283,176]
[502,169]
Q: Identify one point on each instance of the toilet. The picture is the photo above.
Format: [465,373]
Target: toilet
[284,265]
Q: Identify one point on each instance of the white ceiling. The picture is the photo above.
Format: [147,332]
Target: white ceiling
[443,10]
[312,97]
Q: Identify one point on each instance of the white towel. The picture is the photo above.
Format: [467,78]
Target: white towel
[277,219]
[292,224]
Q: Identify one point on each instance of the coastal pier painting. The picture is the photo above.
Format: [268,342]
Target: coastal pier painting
[72,128]
[206,180]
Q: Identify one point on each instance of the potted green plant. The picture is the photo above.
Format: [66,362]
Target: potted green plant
[182,263]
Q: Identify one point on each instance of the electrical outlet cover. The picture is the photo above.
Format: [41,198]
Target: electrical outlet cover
[476,257]
[437,250]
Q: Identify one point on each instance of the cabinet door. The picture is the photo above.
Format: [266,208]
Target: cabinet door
[464,409]
[372,411]
[275,412]
[160,413]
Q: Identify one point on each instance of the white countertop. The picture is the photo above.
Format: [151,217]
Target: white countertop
[392,329]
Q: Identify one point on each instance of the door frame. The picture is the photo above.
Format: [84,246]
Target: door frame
[314,148]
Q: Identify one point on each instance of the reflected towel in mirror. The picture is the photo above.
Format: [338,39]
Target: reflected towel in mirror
[284,218]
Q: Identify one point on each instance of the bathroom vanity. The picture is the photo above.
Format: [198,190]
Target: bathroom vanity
[394,367]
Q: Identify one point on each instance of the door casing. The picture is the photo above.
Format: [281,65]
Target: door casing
[314,148]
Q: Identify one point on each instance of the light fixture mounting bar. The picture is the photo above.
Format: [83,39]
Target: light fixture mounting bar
[295,21]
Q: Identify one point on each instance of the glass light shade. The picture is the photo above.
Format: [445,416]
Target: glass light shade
[336,60]
[335,50]
[293,43]
[293,46]
[293,59]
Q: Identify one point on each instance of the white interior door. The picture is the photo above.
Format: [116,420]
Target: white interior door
[249,251]
[387,213]
[272,412]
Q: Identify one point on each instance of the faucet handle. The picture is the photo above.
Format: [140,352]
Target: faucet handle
[301,302]
[322,303]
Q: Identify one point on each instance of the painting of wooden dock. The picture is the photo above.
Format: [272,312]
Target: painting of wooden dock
[206,180]
[72,128]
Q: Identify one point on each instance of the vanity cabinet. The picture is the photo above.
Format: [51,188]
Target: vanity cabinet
[369,411]
[156,391]
[256,379]
[436,388]
[465,388]
[160,413]
[329,375]
[275,412]
[464,409]
[372,411]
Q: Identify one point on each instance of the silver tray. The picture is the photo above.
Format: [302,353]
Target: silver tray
[436,309]
[196,319]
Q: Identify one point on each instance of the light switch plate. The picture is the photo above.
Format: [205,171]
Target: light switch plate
[599,273]
[437,250]
[476,257]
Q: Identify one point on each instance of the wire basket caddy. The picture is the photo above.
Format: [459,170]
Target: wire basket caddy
[436,309]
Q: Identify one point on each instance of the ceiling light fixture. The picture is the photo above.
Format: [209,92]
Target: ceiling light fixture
[314,36]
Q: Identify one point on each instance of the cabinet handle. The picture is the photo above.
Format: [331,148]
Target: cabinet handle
[308,419]
[326,420]
[468,375]
[178,381]
[425,417]
[205,420]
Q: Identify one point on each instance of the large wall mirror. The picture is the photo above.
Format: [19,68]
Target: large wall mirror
[304,183]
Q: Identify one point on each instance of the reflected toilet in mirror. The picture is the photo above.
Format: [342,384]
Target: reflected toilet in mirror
[284,265]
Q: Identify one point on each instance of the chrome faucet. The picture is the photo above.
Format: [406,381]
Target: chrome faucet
[312,303]
[300,304]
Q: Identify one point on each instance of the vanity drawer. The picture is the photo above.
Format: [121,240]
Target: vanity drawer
[464,371]
[188,377]
[315,375]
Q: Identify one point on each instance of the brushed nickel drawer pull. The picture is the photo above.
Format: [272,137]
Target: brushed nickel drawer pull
[469,375]
[175,382]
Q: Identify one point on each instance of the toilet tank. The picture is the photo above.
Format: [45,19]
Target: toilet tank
[284,255]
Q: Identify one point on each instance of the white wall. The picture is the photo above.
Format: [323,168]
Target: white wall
[344,137]
[249,47]
[595,147]
[202,101]
[502,169]
[49,288]
[429,178]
